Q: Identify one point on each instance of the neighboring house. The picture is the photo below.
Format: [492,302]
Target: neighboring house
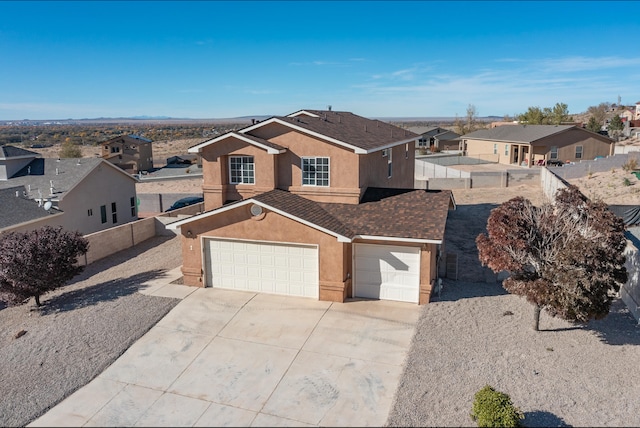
[439,138]
[19,214]
[131,153]
[529,145]
[627,115]
[91,193]
[316,204]
[636,115]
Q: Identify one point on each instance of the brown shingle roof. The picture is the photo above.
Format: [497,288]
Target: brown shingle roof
[366,134]
[390,213]
[408,214]
[415,214]
[304,209]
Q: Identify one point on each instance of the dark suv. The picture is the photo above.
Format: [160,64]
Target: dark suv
[185,202]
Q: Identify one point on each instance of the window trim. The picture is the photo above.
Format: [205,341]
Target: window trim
[251,172]
[315,172]
[495,148]
[390,164]
[506,150]
[579,154]
[553,152]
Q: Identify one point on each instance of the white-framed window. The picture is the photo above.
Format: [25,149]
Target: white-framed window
[495,149]
[554,152]
[389,164]
[506,150]
[406,151]
[241,170]
[385,153]
[578,152]
[315,171]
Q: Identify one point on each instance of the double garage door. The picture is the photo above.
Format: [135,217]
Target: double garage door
[266,267]
[384,272]
[387,272]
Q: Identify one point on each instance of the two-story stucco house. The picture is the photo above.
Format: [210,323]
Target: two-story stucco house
[529,145]
[317,204]
[85,194]
[131,153]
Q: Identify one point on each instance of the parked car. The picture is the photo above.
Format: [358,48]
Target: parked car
[185,202]
[554,162]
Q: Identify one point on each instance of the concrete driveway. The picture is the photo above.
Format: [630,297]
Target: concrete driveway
[231,358]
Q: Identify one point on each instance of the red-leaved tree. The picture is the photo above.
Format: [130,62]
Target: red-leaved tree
[564,256]
[38,261]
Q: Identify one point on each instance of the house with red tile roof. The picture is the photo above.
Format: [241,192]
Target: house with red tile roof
[317,204]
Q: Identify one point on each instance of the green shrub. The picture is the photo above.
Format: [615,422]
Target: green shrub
[626,182]
[493,408]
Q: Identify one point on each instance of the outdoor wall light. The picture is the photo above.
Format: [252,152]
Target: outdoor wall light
[189,234]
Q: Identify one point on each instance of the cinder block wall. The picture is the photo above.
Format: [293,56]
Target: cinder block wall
[112,240]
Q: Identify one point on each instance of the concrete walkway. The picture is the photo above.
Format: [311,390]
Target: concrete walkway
[231,358]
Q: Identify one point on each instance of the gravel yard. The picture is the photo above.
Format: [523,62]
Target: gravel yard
[473,334]
[80,329]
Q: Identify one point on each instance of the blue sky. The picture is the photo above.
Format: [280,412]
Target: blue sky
[61,60]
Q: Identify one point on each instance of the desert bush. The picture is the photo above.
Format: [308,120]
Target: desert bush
[626,182]
[493,408]
[631,165]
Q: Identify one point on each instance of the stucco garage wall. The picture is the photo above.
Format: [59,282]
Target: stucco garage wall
[238,223]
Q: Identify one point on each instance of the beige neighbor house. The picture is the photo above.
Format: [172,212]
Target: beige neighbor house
[318,204]
[438,138]
[84,194]
[131,153]
[530,145]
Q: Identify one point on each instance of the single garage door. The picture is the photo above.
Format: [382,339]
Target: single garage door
[265,267]
[387,272]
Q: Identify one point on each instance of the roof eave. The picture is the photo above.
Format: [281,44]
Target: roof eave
[355,149]
[398,239]
[176,224]
[199,147]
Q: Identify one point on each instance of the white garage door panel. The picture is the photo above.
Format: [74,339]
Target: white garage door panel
[387,272]
[262,267]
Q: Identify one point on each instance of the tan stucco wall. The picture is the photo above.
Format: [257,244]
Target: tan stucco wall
[349,173]
[215,172]
[373,168]
[102,186]
[334,257]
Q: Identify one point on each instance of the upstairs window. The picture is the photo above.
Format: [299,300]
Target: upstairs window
[315,171]
[242,170]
